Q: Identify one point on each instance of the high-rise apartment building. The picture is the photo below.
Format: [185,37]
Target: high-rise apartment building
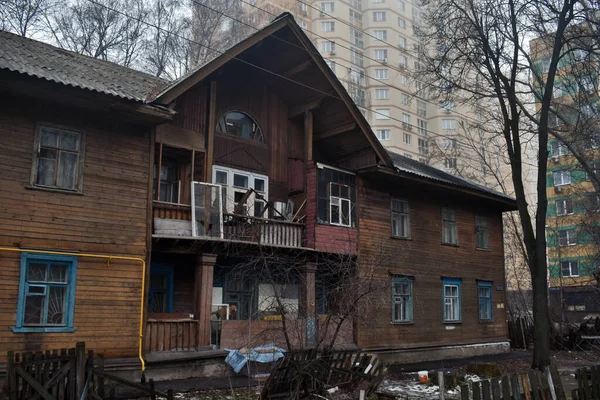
[372,47]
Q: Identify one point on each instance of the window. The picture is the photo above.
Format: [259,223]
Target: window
[381,74]
[401,23]
[401,5]
[328,26]
[356,4]
[450,143]
[381,54]
[328,7]
[406,137]
[422,126]
[567,237]
[421,108]
[448,124]
[558,149]
[357,76]
[569,268]
[336,194]
[160,299]
[356,19]
[449,226]
[356,37]
[59,162]
[485,300]
[380,34]
[405,99]
[403,62]
[234,185]
[403,78]
[564,207]
[400,218]
[46,293]
[482,233]
[356,57]
[406,121]
[382,113]
[382,94]
[451,300]
[331,64]
[378,1]
[379,16]
[327,46]
[382,134]
[402,304]
[423,147]
[561,177]
[170,186]
[450,163]
[402,43]
[303,9]
[240,124]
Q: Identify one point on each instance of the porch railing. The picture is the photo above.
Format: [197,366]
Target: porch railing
[262,230]
[240,227]
[171,335]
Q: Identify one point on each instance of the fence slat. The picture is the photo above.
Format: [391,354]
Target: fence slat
[496,394]
[534,383]
[558,386]
[485,388]
[505,388]
[585,383]
[464,392]
[526,387]
[476,391]
[516,389]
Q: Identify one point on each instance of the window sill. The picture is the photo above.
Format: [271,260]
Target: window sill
[400,238]
[486,321]
[336,226]
[452,322]
[55,190]
[449,244]
[48,329]
[482,249]
[403,323]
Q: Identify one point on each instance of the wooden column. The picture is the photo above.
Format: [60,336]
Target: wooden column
[212,126]
[308,134]
[309,304]
[203,288]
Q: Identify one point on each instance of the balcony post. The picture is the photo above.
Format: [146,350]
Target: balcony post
[308,305]
[203,288]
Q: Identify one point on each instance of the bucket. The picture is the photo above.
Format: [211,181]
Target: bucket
[423,377]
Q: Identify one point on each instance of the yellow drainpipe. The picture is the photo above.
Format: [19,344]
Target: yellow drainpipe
[108,258]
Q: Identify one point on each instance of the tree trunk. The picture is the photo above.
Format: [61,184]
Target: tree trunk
[541,315]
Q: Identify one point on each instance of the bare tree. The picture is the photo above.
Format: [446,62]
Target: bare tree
[478,50]
[109,30]
[24,17]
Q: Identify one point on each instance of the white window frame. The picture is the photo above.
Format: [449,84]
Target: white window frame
[339,201]
[560,178]
[383,134]
[328,6]
[379,16]
[382,94]
[401,23]
[448,124]
[328,26]
[381,73]
[382,113]
[380,54]
[570,263]
[406,138]
[229,201]
[566,205]
[380,34]
[569,238]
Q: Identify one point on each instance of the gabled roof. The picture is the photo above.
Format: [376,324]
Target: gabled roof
[41,60]
[410,166]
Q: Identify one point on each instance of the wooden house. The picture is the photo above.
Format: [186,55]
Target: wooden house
[148,218]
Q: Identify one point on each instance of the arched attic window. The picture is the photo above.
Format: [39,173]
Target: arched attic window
[240,124]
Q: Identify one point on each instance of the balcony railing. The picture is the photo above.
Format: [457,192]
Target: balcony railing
[171,335]
[176,220]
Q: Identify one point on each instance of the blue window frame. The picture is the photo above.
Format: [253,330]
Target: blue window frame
[484,290]
[160,299]
[402,299]
[46,293]
[451,297]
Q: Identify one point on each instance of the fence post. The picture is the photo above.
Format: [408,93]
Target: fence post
[550,382]
[11,376]
[441,384]
[80,367]
[100,358]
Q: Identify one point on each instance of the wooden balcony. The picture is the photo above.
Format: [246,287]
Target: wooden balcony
[175,220]
[171,335]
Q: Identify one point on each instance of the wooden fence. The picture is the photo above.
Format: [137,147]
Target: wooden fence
[306,373]
[171,335]
[520,332]
[67,375]
[534,385]
[588,382]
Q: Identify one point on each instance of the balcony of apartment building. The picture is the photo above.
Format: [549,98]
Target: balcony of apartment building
[234,207]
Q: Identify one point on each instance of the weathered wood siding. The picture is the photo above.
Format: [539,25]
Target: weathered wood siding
[110,217]
[424,257]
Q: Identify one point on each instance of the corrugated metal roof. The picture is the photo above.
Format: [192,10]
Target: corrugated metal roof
[405,164]
[41,60]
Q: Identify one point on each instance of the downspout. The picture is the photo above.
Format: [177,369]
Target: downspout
[107,258]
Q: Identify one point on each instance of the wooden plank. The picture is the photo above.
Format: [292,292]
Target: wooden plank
[212,126]
[585,384]
[33,383]
[476,390]
[534,382]
[464,392]
[485,389]
[506,388]
[308,134]
[516,388]
[526,387]
[496,393]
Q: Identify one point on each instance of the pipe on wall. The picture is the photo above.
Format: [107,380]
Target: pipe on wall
[108,258]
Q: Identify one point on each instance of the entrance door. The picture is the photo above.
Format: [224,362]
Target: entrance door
[160,299]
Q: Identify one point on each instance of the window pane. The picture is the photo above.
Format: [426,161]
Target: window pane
[49,138]
[69,141]
[56,305]
[58,273]
[36,272]
[346,212]
[45,172]
[34,310]
[240,181]
[259,185]
[221,177]
[67,170]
